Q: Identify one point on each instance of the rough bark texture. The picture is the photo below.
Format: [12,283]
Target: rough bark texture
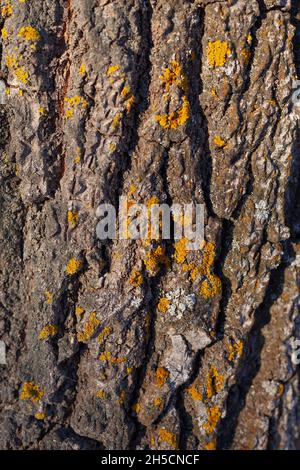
[85,120]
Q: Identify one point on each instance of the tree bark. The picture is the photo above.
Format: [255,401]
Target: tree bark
[140,344]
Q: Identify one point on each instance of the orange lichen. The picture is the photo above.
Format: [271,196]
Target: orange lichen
[100,394]
[194,393]
[177,118]
[214,382]
[29,33]
[48,331]
[118,360]
[163,305]
[127,94]
[82,70]
[31,391]
[168,437]
[6,10]
[104,334]
[181,250]
[22,75]
[157,402]
[112,69]
[210,446]
[49,297]
[79,311]
[73,218]
[73,266]
[235,350]
[89,328]
[217,53]
[116,120]
[213,417]
[174,75]
[155,259]
[219,142]
[211,287]
[40,416]
[136,408]
[105,356]
[136,278]
[162,376]
[4,33]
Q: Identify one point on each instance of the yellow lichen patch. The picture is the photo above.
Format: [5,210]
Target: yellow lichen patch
[217,53]
[112,69]
[162,376]
[155,259]
[73,218]
[73,103]
[194,393]
[174,75]
[22,75]
[31,391]
[112,147]
[132,190]
[6,10]
[281,389]
[214,93]
[219,142]
[69,113]
[100,394]
[49,297]
[40,416]
[104,334]
[127,94]
[79,311]
[157,402]
[213,417]
[73,266]
[211,287]
[210,446]
[89,328]
[11,61]
[168,437]
[105,356]
[136,278]
[136,408]
[163,305]
[181,250]
[214,382]
[82,70]
[29,33]
[235,350]
[177,118]
[4,33]
[116,120]
[48,331]
[129,370]
[77,158]
[42,111]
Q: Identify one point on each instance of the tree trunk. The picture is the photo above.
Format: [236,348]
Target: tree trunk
[144,344]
